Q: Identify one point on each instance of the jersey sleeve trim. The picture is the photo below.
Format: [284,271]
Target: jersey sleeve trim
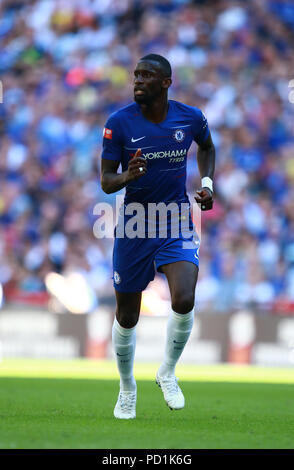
[200,127]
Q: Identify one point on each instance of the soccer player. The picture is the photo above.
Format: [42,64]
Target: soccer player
[150,138]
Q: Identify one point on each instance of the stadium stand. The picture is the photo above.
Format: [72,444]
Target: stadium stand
[66,65]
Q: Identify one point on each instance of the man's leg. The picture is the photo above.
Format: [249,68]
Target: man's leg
[182,278]
[124,343]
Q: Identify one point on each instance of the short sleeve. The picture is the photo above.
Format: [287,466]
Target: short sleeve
[200,127]
[112,140]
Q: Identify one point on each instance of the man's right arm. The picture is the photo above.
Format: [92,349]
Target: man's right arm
[111,181]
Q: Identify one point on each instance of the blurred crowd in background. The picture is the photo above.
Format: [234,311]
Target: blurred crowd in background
[65,66]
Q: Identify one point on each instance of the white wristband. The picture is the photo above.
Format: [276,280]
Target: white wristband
[206,182]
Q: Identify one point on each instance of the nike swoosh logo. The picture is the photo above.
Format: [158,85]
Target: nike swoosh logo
[136,140]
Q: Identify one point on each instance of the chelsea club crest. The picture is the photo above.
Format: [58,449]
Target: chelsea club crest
[179,135]
[116,277]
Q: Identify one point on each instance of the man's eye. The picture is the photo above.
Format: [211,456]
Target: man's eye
[143,74]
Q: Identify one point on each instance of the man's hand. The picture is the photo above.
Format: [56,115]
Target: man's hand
[204,198]
[137,166]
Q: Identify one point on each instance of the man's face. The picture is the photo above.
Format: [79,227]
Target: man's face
[149,82]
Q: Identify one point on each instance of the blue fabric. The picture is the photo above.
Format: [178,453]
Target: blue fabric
[135,261]
[165,147]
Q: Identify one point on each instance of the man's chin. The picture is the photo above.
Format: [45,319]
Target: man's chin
[142,99]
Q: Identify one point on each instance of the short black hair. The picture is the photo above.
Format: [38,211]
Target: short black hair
[163,62]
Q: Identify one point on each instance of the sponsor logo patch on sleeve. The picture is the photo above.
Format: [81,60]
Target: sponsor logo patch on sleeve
[107,133]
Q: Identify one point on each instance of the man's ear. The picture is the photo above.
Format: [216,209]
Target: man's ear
[166,83]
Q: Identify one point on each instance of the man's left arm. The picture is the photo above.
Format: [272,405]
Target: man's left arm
[206,163]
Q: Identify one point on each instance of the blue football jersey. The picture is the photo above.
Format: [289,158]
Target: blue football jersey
[165,147]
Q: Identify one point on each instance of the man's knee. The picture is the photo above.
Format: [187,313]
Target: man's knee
[183,303]
[126,319]
[128,309]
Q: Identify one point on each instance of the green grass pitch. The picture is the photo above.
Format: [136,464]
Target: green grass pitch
[69,404]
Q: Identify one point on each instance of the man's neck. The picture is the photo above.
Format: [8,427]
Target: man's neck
[155,112]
